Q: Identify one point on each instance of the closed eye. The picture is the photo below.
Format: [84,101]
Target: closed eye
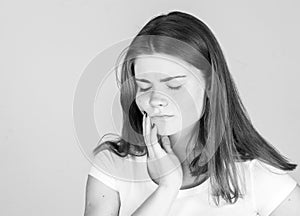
[172,88]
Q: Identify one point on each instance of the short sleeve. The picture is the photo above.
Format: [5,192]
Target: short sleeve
[270,186]
[103,169]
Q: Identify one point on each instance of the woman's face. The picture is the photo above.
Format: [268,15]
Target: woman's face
[159,92]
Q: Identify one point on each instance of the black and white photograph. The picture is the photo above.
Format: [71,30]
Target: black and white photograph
[142,108]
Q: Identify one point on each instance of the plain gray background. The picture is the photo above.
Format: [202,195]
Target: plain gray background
[46,45]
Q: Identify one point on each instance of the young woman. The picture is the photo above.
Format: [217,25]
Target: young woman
[187,145]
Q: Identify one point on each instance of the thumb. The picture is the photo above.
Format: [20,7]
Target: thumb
[166,144]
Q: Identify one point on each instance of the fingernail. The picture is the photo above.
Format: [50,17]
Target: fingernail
[153,125]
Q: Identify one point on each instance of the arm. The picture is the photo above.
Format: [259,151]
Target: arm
[290,206]
[100,199]
[158,203]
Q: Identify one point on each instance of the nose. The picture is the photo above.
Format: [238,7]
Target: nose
[158,99]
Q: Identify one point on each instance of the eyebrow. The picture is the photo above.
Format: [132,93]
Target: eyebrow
[162,80]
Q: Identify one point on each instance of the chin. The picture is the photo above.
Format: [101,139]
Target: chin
[166,131]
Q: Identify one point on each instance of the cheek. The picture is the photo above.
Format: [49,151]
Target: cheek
[139,101]
[190,103]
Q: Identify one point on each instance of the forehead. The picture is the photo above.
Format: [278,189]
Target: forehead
[165,65]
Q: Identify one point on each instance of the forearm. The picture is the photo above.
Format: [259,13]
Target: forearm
[158,203]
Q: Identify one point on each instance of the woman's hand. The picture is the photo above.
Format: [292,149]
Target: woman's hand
[163,165]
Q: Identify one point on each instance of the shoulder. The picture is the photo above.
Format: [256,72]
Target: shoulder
[108,159]
[270,185]
[106,154]
[111,167]
[260,169]
[264,173]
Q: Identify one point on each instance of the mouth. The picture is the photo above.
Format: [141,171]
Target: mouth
[162,117]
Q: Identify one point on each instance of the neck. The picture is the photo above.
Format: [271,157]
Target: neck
[183,142]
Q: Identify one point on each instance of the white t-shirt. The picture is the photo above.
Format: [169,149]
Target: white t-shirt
[265,187]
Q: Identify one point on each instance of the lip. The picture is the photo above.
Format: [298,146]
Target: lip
[162,116]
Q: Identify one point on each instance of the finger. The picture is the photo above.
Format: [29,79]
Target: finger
[143,125]
[158,150]
[144,128]
[154,145]
[147,127]
[146,137]
[153,132]
[166,144]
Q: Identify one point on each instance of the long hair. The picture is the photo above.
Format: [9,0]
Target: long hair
[226,134]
